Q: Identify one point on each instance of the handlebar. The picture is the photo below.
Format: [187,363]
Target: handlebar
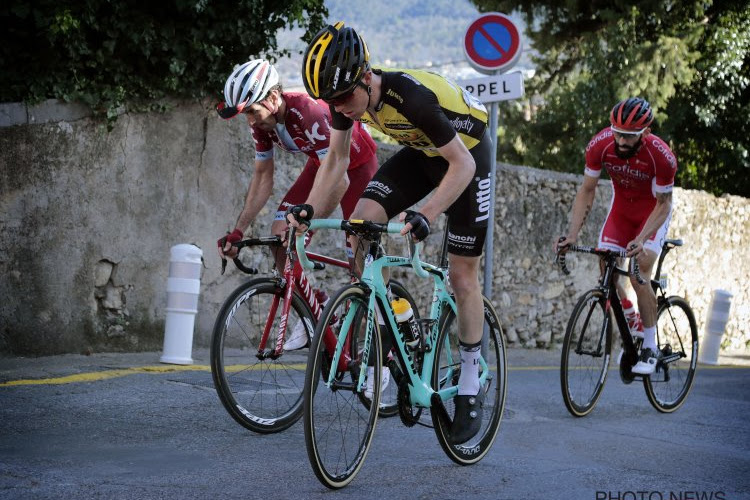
[364,229]
[271,241]
[633,266]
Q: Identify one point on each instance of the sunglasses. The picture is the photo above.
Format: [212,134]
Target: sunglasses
[342,99]
[621,134]
[228,112]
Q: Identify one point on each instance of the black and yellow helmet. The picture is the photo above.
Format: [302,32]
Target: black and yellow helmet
[334,62]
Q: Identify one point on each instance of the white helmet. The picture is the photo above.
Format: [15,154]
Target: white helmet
[249,83]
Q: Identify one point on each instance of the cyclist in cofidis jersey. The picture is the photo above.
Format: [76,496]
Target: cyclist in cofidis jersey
[446,152]
[642,169]
[296,123]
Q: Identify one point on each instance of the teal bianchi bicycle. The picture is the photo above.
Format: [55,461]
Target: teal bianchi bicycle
[341,404]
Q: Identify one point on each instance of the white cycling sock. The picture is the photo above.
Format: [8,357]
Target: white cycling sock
[649,338]
[379,316]
[468,381]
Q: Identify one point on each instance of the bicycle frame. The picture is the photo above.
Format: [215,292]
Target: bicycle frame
[607,285]
[293,273]
[421,393]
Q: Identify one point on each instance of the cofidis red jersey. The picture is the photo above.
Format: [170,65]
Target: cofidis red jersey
[651,170]
[306,129]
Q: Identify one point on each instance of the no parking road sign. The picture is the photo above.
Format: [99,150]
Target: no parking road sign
[492,43]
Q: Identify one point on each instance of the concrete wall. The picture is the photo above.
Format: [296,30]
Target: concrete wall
[87,218]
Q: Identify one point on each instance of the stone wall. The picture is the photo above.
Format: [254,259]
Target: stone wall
[87,218]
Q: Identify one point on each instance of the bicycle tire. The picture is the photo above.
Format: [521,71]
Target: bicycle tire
[446,369]
[677,334]
[338,427]
[263,395]
[585,354]
[389,394]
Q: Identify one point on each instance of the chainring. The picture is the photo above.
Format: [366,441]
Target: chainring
[626,369]
[409,417]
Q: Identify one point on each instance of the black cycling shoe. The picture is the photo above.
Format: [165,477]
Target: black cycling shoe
[467,419]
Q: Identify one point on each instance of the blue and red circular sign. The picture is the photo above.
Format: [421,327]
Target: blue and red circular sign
[492,43]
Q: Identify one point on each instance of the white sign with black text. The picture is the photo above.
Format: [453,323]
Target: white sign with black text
[495,87]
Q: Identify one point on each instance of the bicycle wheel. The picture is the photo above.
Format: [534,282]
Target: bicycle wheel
[677,338]
[445,372]
[338,426]
[585,354]
[261,393]
[389,390]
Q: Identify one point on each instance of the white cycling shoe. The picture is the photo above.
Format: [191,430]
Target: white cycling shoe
[385,378]
[646,364]
[298,338]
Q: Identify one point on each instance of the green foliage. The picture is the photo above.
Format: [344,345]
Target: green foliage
[690,59]
[111,53]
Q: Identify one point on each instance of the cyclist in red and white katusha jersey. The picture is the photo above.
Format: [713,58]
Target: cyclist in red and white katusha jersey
[642,169]
[299,124]
[296,123]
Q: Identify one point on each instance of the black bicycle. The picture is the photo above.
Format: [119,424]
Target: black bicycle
[587,346]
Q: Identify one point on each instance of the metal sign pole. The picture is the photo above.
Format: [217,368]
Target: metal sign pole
[489,242]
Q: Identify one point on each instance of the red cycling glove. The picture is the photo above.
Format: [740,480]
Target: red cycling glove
[232,237]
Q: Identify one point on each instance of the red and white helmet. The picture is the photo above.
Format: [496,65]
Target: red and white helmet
[249,83]
[631,116]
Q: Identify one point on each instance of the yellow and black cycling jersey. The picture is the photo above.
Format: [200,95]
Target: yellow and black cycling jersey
[423,110]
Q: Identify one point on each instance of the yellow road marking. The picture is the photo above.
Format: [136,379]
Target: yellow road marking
[107,374]
[103,375]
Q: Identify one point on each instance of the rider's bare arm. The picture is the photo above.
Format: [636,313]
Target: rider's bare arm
[258,193]
[657,217]
[581,206]
[331,181]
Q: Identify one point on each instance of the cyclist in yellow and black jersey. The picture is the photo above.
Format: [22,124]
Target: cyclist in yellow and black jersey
[423,110]
[446,153]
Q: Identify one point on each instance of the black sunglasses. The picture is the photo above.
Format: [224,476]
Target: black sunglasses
[228,112]
[343,98]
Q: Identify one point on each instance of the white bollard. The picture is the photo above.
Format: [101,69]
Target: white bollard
[183,288]
[718,315]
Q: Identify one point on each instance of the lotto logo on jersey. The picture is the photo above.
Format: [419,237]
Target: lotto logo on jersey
[483,191]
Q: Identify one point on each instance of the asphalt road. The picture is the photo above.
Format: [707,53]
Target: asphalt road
[123,426]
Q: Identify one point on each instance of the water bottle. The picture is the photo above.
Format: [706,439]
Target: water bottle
[407,324]
[663,280]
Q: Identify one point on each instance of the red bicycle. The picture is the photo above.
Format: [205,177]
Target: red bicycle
[259,382]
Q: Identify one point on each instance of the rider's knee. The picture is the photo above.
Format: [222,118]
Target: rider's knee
[464,279]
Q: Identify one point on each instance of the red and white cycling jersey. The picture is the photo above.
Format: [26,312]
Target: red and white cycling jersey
[651,170]
[635,182]
[306,129]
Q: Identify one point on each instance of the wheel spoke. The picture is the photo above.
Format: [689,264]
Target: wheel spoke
[585,354]
[677,339]
[264,395]
[338,424]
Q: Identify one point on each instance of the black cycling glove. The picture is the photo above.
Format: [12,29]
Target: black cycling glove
[296,209]
[420,226]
